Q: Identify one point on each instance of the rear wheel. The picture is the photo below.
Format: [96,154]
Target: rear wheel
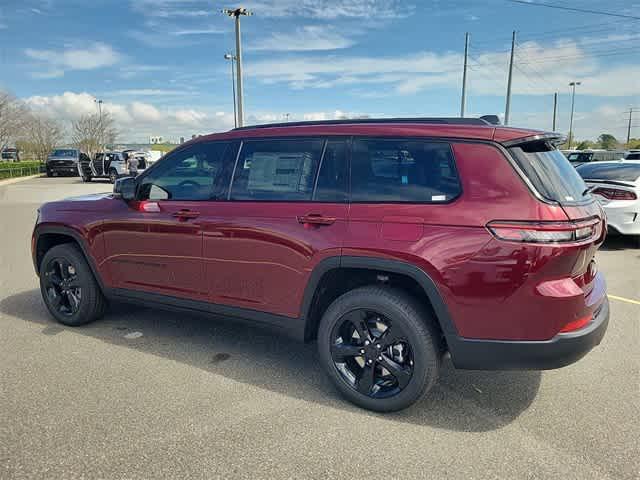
[49,173]
[68,286]
[380,348]
[86,178]
[113,175]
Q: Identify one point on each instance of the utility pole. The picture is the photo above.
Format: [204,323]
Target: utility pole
[236,13]
[629,127]
[464,75]
[555,110]
[508,106]
[573,98]
[229,56]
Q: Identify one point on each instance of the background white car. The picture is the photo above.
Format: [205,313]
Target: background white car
[616,185]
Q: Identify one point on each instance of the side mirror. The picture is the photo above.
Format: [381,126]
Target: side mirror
[125,188]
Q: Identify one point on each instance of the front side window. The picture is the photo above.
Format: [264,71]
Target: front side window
[198,172]
[276,170]
[412,171]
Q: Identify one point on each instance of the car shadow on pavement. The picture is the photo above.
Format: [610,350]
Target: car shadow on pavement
[619,242]
[471,401]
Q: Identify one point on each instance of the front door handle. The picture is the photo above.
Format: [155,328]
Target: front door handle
[315,219]
[185,214]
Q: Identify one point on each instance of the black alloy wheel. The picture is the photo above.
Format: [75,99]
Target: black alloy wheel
[113,176]
[69,289]
[62,288]
[372,354]
[380,346]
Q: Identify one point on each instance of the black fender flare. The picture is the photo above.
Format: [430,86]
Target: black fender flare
[385,265]
[77,237]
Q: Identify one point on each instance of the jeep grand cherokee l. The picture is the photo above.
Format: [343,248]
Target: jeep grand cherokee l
[391,242]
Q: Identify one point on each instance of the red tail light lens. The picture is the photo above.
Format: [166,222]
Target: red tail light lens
[546,232]
[576,324]
[614,193]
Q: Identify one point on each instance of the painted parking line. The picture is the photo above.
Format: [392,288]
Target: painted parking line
[622,299]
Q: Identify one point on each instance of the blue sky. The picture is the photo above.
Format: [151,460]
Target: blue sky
[158,64]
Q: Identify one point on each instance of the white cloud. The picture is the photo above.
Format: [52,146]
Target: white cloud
[540,70]
[309,37]
[151,92]
[196,31]
[135,120]
[95,56]
[332,9]
[145,112]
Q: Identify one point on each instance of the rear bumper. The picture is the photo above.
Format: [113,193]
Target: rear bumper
[563,349]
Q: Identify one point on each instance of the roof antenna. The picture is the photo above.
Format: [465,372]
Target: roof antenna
[491,119]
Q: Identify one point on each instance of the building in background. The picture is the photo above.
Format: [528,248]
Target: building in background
[155,140]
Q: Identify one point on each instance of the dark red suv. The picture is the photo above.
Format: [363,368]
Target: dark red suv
[391,242]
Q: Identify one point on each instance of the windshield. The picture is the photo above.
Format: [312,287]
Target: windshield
[550,172]
[626,172]
[64,153]
[580,157]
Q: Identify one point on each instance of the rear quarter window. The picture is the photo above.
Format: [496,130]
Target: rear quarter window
[550,172]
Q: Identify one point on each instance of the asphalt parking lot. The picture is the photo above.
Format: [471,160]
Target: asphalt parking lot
[198,398]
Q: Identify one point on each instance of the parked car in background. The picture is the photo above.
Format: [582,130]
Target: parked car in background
[616,186]
[64,161]
[10,154]
[390,242]
[586,156]
[632,155]
[111,165]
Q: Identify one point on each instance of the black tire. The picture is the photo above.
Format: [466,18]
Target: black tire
[86,178]
[49,173]
[89,303]
[418,329]
[113,175]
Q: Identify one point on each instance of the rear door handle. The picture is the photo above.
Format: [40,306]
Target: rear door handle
[316,219]
[185,214]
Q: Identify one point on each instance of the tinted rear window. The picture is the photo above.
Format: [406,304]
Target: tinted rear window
[412,171]
[550,172]
[627,172]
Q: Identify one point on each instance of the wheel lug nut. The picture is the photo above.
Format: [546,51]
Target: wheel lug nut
[378,346]
[380,358]
[362,351]
[367,342]
[369,361]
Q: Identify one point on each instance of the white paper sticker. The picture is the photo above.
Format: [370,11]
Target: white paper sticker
[438,198]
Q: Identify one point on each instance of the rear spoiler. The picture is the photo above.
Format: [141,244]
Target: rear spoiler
[552,138]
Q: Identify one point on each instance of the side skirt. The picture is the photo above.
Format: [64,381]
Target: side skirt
[290,327]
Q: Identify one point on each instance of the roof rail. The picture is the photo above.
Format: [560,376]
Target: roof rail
[358,121]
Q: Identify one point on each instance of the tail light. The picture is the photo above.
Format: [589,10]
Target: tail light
[546,232]
[576,324]
[614,193]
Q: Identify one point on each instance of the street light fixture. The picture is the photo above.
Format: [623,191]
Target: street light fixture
[237,13]
[229,56]
[573,98]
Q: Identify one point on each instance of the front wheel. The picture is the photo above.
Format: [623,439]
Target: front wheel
[68,286]
[113,175]
[49,173]
[380,347]
[86,178]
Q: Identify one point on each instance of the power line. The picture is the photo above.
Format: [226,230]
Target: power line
[572,9]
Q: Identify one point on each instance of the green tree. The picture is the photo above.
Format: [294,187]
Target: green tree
[607,141]
[585,144]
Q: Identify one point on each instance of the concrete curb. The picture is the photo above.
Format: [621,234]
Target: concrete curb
[9,181]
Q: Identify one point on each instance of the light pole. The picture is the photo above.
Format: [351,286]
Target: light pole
[236,13]
[229,56]
[573,98]
[99,102]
